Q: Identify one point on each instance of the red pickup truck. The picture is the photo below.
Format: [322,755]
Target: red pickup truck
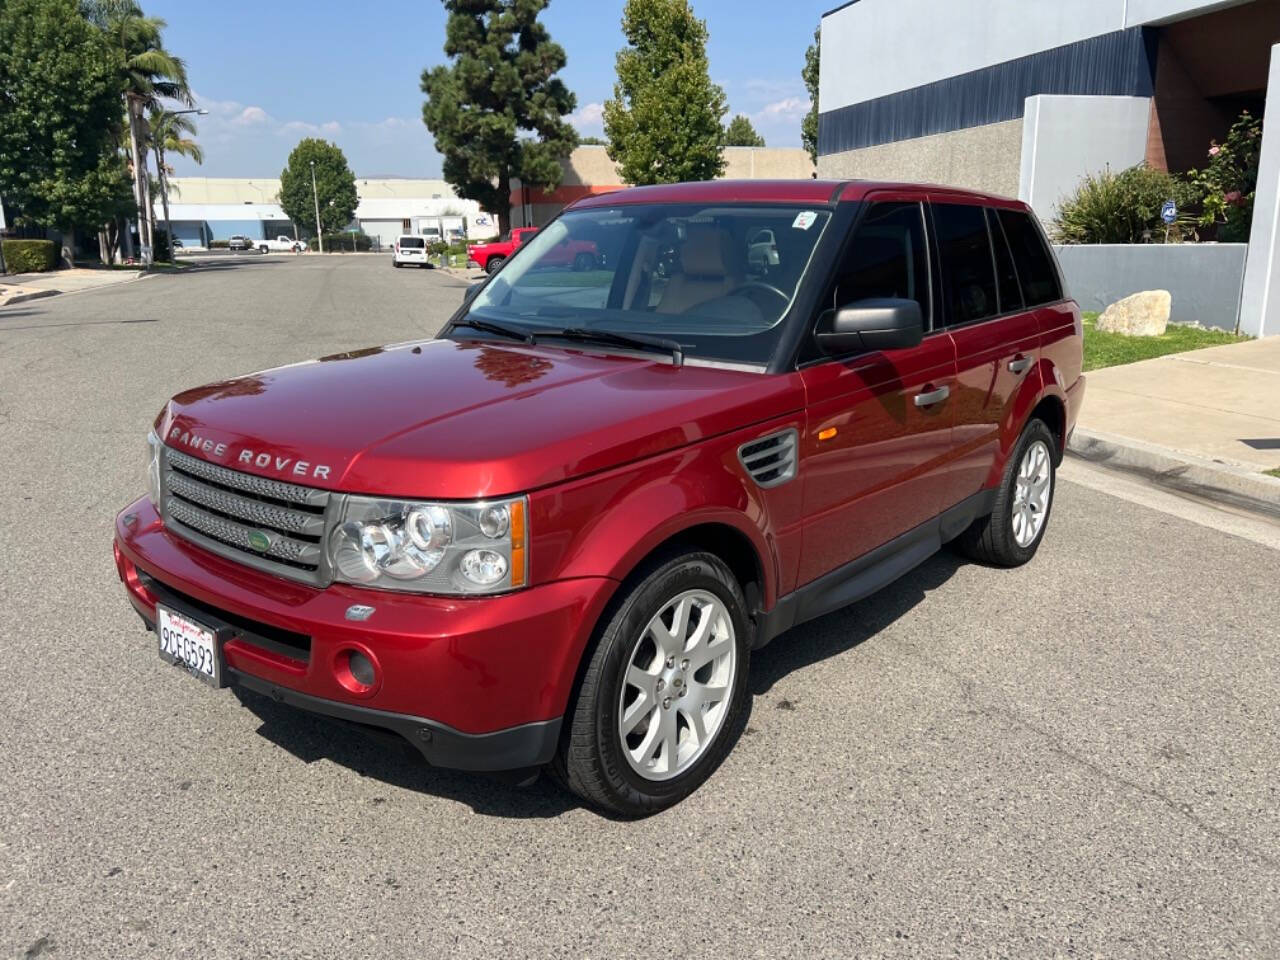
[553,537]
[578,254]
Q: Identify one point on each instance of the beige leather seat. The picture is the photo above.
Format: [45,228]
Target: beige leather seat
[706,270]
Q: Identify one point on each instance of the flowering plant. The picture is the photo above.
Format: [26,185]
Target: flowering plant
[1230,181]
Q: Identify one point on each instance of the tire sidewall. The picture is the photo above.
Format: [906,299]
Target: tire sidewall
[695,572]
[1035,430]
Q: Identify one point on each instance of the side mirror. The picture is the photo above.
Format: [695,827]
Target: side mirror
[472,291]
[876,324]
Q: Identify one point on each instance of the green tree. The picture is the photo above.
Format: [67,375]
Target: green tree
[663,122]
[59,97]
[592,142]
[810,74]
[335,186]
[499,86]
[171,133]
[150,75]
[740,133]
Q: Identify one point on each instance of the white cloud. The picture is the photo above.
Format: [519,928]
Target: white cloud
[788,108]
[252,117]
[588,119]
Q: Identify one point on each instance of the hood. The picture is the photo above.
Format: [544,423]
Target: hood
[462,420]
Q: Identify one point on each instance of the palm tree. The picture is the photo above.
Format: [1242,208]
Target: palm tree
[168,135]
[151,74]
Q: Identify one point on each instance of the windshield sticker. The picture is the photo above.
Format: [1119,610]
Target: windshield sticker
[805,220]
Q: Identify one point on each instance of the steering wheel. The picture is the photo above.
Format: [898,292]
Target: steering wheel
[767,287]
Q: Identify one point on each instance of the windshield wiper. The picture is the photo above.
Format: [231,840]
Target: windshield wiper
[635,341]
[498,329]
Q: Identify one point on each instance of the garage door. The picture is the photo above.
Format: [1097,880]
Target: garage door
[384,231]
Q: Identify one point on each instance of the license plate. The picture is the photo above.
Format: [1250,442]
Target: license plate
[189,644]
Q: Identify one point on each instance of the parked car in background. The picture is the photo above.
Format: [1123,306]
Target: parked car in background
[555,535]
[762,251]
[411,250]
[282,244]
[239,243]
[489,256]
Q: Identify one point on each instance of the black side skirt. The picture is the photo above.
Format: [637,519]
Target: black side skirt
[864,576]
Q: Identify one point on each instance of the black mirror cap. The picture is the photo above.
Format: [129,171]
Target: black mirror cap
[472,290]
[874,324]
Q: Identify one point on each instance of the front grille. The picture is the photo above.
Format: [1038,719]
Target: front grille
[267,524]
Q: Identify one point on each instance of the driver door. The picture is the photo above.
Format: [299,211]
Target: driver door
[878,440]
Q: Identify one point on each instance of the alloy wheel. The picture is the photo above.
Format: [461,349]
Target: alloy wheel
[1033,487]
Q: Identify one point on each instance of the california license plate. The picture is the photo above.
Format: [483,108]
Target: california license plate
[189,644]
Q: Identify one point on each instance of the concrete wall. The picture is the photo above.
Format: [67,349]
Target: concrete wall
[1260,306]
[1204,279]
[980,158]
[877,47]
[1065,138]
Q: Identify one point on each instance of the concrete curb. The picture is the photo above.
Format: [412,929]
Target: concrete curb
[1234,484]
[33,295]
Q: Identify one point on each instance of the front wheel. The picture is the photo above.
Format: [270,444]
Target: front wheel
[663,692]
[262,248]
[1011,534]
[583,262]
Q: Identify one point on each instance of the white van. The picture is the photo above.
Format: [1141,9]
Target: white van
[410,249]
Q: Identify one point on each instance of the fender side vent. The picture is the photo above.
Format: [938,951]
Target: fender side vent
[771,460]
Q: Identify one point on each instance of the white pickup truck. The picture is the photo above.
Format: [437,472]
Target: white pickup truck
[282,244]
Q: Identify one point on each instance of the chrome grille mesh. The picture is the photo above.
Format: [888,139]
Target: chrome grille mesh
[267,524]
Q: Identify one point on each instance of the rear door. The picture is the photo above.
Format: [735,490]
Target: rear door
[997,340]
[878,429]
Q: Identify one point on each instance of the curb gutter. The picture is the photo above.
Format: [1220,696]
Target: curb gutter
[33,295]
[1230,483]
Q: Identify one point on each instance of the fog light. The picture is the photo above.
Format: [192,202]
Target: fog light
[361,668]
[484,567]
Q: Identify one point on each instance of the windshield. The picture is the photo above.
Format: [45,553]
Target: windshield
[717,280]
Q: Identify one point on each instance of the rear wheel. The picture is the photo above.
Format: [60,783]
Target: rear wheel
[1011,534]
[663,692]
[494,263]
[262,248]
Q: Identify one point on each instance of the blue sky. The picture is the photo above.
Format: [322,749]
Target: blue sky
[273,73]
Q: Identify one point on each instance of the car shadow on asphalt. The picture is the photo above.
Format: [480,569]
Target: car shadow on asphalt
[388,758]
[848,627]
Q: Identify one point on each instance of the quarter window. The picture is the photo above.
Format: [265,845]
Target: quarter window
[968,270]
[887,258]
[1031,254]
[1006,276]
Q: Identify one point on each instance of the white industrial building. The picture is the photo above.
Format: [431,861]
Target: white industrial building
[1025,97]
[205,209]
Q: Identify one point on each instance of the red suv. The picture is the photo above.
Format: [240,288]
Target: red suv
[555,535]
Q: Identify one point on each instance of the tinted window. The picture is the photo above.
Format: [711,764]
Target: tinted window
[412,243]
[1006,276]
[887,258]
[1031,254]
[968,274]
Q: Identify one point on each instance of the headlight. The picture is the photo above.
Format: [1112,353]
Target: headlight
[450,548]
[153,469]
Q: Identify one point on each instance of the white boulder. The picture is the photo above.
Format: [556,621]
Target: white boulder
[1144,314]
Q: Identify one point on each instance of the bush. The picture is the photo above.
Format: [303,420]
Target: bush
[338,242]
[218,244]
[1227,186]
[29,256]
[1125,207]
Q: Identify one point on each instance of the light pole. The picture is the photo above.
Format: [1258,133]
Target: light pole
[316,197]
[164,181]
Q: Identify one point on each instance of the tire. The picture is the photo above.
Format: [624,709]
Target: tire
[584,262]
[1002,538]
[262,249]
[396,264]
[634,775]
[494,264]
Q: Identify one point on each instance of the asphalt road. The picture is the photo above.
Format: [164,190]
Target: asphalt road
[1077,758]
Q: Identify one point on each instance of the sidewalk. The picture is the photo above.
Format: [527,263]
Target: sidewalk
[1207,421]
[20,287]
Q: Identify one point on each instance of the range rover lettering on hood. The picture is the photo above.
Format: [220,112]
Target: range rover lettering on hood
[263,461]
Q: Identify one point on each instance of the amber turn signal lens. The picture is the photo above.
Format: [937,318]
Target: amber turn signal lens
[827,434]
[517,544]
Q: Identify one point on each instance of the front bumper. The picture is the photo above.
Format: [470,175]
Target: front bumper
[472,683]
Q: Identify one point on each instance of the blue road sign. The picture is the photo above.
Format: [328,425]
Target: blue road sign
[1169,212]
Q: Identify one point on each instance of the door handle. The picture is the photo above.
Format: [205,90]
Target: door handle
[932,397]
[1019,365]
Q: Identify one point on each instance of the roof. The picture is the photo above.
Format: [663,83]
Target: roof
[809,192]
[805,192]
